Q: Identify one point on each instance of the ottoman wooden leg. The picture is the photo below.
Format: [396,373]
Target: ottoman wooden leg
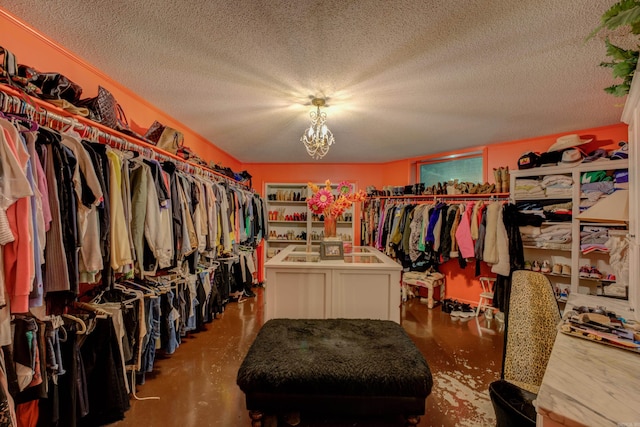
[256,418]
[412,421]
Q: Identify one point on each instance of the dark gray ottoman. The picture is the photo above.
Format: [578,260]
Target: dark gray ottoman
[334,366]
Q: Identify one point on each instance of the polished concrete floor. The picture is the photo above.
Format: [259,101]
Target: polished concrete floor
[197,387]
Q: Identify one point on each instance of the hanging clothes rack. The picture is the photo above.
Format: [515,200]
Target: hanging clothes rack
[44,114]
[442,197]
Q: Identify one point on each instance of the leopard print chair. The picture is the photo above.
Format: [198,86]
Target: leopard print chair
[531,328]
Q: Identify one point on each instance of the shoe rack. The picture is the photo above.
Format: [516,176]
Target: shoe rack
[569,266]
[291,222]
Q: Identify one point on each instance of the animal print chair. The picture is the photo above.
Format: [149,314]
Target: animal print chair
[530,330]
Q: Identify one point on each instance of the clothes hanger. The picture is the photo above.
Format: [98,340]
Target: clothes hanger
[99,313]
[137,295]
[150,292]
[19,119]
[79,321]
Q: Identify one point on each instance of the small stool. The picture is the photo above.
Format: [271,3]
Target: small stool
[433,282]
[486,296]
[430,285]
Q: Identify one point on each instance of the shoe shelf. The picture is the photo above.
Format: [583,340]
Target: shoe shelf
[287,202]
[595,279]
[319,240]
[337,222]
[281,200]
[557,275]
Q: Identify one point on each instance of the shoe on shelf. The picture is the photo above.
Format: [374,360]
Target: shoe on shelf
[545,267]
[527,265]
[535,265]
[594,273]
[610,278]
[585,270]
[566,270]
[557,269]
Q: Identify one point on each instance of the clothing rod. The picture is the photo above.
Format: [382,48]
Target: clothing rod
[433,200]
[436,197]
[44,114]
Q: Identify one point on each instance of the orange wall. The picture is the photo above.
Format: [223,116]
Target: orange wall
[360,174]
[36,50]
[507,153]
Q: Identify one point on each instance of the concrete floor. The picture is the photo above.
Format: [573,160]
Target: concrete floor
[197,387]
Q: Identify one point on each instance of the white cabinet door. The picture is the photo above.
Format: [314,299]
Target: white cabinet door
[362,295]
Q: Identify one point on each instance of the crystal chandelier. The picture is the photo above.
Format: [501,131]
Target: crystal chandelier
[318,138]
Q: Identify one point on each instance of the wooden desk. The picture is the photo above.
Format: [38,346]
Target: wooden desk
[590,384]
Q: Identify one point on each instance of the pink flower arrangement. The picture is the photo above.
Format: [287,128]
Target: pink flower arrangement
[324,202]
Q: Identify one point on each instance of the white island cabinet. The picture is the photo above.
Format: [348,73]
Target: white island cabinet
[365,284]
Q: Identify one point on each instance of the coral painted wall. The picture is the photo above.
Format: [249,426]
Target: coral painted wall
[36,50]
[507,153]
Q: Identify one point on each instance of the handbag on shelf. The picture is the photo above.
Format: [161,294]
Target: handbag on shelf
[52,85]
[171,140]
[166,138]
[104,109]
[223,170]
[154,132]
[9,74]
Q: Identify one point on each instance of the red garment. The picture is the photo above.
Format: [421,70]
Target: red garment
[28,413]
[18,255]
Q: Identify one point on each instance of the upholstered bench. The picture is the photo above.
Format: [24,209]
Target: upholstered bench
[334,367]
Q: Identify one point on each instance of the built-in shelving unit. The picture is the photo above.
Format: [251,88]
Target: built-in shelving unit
[286,204]
[570,253]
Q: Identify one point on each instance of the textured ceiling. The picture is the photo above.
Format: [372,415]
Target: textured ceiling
[402,78]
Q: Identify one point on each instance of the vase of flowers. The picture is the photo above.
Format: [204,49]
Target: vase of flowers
[324,202]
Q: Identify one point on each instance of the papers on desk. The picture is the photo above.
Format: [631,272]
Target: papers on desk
[601,329]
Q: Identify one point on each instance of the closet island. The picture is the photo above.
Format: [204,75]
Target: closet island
[365,284]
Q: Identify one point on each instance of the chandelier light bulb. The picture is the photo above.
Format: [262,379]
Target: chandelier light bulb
[318,138]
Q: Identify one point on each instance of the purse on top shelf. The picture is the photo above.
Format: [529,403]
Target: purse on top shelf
[165,137]
[104,109]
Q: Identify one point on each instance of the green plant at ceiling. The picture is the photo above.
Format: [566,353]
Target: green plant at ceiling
[623,61]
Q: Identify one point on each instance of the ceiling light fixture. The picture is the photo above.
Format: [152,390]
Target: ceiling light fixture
[318,138]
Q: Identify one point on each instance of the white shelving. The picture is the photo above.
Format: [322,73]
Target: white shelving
[572,256]
[285,229]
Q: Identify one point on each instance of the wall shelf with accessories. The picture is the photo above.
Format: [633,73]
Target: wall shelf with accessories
[291,222]
[570,244]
